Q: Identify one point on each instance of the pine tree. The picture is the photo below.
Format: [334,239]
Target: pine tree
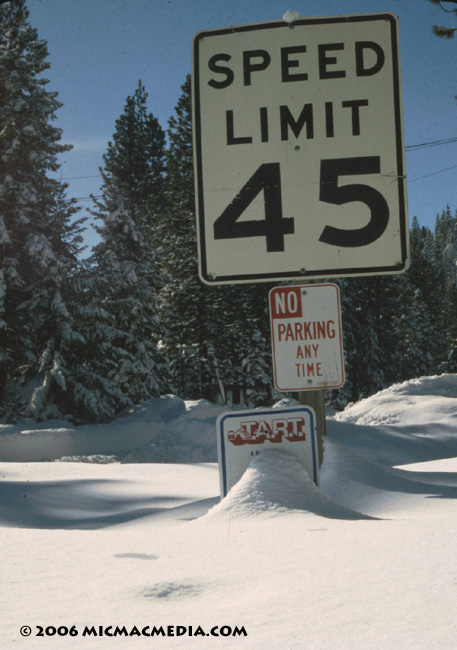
[425,296]
[238,335]
[39,238]
[183,298]
[445,259]
[365,359]
[51,307]
[253,341]
[402,326]
[126,276]
[217,338]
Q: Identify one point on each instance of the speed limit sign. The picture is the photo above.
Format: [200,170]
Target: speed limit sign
[298,150]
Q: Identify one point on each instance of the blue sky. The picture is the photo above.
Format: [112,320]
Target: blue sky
[99,49]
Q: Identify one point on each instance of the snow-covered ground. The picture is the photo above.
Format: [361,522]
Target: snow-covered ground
[366,562]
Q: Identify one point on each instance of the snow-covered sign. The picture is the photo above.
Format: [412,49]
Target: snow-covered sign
[242,435]
[306,337]
[298,149]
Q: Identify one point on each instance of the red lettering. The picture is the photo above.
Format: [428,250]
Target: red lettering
[307,330]
[253,432]
[296,429]
[320,330]
[289,332]
[298,332]
[331,330]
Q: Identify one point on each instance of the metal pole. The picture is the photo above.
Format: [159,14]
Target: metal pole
[315,400]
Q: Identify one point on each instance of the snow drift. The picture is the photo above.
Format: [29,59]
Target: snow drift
[366,561]
[274,483]
[169,429]
[165,429]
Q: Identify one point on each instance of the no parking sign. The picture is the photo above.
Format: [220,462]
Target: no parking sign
[306,337]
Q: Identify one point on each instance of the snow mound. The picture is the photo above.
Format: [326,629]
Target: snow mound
[285,402]
[182,441]
[435,398]
[380,491]
[99,459]
[159,409]
[291,16]
[397,444]
[163,429]
[410,422]
[277,483]
[188,437]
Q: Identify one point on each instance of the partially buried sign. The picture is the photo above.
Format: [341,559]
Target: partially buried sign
[306,337]
[242,435]
[298,149]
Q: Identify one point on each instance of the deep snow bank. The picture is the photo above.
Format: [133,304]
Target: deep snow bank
[165,429]
[276,483]
[410,422]
[426,399]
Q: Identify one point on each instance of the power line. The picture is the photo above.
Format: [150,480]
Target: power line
[89,198]
[433,173]
[428,145]
[408,148]
[67,178]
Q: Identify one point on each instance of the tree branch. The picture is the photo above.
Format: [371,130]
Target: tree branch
[444,32]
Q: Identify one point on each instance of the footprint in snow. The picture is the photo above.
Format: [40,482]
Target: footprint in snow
[137,556]
[173,590]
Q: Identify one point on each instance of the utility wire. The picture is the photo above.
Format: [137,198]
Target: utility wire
[427,145]
[411,147]
[432,173]
[408,147]
[88,198]
[66,178]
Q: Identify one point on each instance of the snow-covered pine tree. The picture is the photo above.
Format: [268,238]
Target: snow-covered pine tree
[217,338]
[253,374]
[365,360]
[445,260]
[423,272]
[51,309]
[39,238]
[183,298]
[425,298]
[445,244]
[126,276]
[391,324]
[416,336]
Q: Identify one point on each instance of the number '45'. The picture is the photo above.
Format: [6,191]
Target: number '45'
[267,178]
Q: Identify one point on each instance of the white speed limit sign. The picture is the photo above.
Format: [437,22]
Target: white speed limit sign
[298,150]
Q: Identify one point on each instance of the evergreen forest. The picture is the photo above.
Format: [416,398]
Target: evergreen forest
[85,335]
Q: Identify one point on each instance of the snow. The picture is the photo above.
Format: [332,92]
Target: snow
[366,562]
[400,402]
[291,16]
[162,429]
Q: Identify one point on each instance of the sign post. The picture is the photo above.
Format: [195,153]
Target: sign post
[299,166]
[315,400]
[307,345]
